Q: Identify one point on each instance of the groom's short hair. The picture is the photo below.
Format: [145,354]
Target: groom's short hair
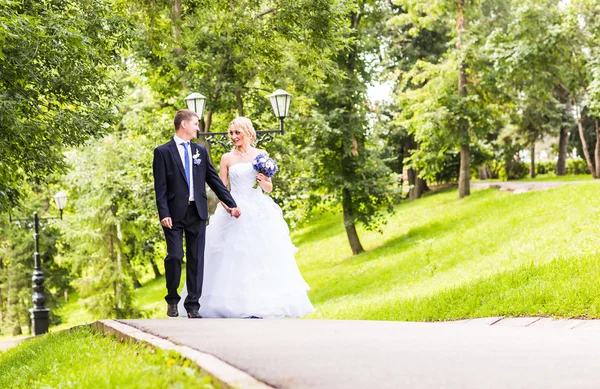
[183,114]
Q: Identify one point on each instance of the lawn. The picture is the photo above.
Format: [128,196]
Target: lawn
[83,358]
[442,258]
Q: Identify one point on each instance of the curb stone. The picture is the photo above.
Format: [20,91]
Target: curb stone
[227,375]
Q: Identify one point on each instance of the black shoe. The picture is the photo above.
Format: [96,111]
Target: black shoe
[172,310]
[254,317]
[194,314]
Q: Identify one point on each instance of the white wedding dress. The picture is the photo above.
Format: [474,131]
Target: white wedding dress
[249,265]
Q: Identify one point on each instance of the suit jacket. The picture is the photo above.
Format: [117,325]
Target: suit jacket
[170,185]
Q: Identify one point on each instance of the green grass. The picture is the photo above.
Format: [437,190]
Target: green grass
[440,258]
[83,358]
[492,253]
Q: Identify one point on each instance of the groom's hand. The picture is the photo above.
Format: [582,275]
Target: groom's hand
[167,222]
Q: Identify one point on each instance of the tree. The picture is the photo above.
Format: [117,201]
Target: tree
[111,207]
[527,53]
[580,28]
[55,91]
[405,47]
[441,118]
[347,170]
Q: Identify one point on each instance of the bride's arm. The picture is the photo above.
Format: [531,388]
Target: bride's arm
[224,174]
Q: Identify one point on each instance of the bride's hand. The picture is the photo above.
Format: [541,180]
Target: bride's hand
[264,182]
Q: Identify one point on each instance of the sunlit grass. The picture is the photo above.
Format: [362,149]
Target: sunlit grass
[82,358]
[492,253]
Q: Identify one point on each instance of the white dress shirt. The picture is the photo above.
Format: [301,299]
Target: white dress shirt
[178,140]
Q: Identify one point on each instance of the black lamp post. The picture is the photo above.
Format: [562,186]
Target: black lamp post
[280,102]
[39,313]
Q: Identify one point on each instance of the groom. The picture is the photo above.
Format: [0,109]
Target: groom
[181,169]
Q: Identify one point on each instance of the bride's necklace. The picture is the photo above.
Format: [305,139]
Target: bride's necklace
[242,154]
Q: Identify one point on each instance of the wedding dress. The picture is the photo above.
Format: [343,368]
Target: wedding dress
[249,267]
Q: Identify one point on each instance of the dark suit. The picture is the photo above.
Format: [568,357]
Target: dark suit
[172,196]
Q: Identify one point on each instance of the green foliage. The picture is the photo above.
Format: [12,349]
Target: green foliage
[112,217]
[233,52]
[82,358]
[526,51]
[56,58]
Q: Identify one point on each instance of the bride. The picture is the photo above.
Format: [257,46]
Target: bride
[249,269]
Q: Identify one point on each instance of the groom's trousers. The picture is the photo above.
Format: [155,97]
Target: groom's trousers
[194,230]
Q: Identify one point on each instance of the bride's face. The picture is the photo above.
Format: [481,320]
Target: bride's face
[238,138]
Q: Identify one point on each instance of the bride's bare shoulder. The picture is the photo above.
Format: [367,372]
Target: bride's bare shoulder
[261,151]
[226,158]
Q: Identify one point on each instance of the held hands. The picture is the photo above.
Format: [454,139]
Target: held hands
[235,212]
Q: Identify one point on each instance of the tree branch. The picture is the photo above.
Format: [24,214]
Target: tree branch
[263,13]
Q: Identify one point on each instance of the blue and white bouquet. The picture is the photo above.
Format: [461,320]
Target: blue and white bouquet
[265,165]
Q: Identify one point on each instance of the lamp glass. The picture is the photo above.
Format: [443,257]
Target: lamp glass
[280,101]
[196,103]
[61,200]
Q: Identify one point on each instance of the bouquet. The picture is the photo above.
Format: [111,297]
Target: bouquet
[263,164]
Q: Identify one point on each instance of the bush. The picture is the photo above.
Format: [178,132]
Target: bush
[577,166]
[517,170]
[546,167]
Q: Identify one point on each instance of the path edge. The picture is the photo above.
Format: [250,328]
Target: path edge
[226,375]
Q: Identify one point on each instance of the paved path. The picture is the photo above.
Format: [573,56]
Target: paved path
[524,186]
[481,353]
[6,344]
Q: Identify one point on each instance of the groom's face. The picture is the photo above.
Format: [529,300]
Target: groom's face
[190,128]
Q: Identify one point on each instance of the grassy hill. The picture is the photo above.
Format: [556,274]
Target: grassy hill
[441,258]
[493,253]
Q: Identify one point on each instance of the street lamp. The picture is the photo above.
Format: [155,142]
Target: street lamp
[196,102]
[280,102]
[39,313]
[61,201]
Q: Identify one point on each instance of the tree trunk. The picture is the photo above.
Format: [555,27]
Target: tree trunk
[464,188]
[155,268]
[239,101]
[465,153]
[597,150]
[483,172]
[532,163]
[349,223]
[417,186]
[584,146]
[561,164]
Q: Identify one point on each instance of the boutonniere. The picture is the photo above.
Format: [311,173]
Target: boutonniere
[196,158]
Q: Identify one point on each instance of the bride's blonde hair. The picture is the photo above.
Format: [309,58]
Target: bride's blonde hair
[244,125]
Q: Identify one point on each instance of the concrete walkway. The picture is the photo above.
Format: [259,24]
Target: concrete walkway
[524,186]
[479,353]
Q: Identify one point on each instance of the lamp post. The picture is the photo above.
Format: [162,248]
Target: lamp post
[280,102]
[39,313]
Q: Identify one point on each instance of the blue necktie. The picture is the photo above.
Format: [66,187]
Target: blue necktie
[186,158]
